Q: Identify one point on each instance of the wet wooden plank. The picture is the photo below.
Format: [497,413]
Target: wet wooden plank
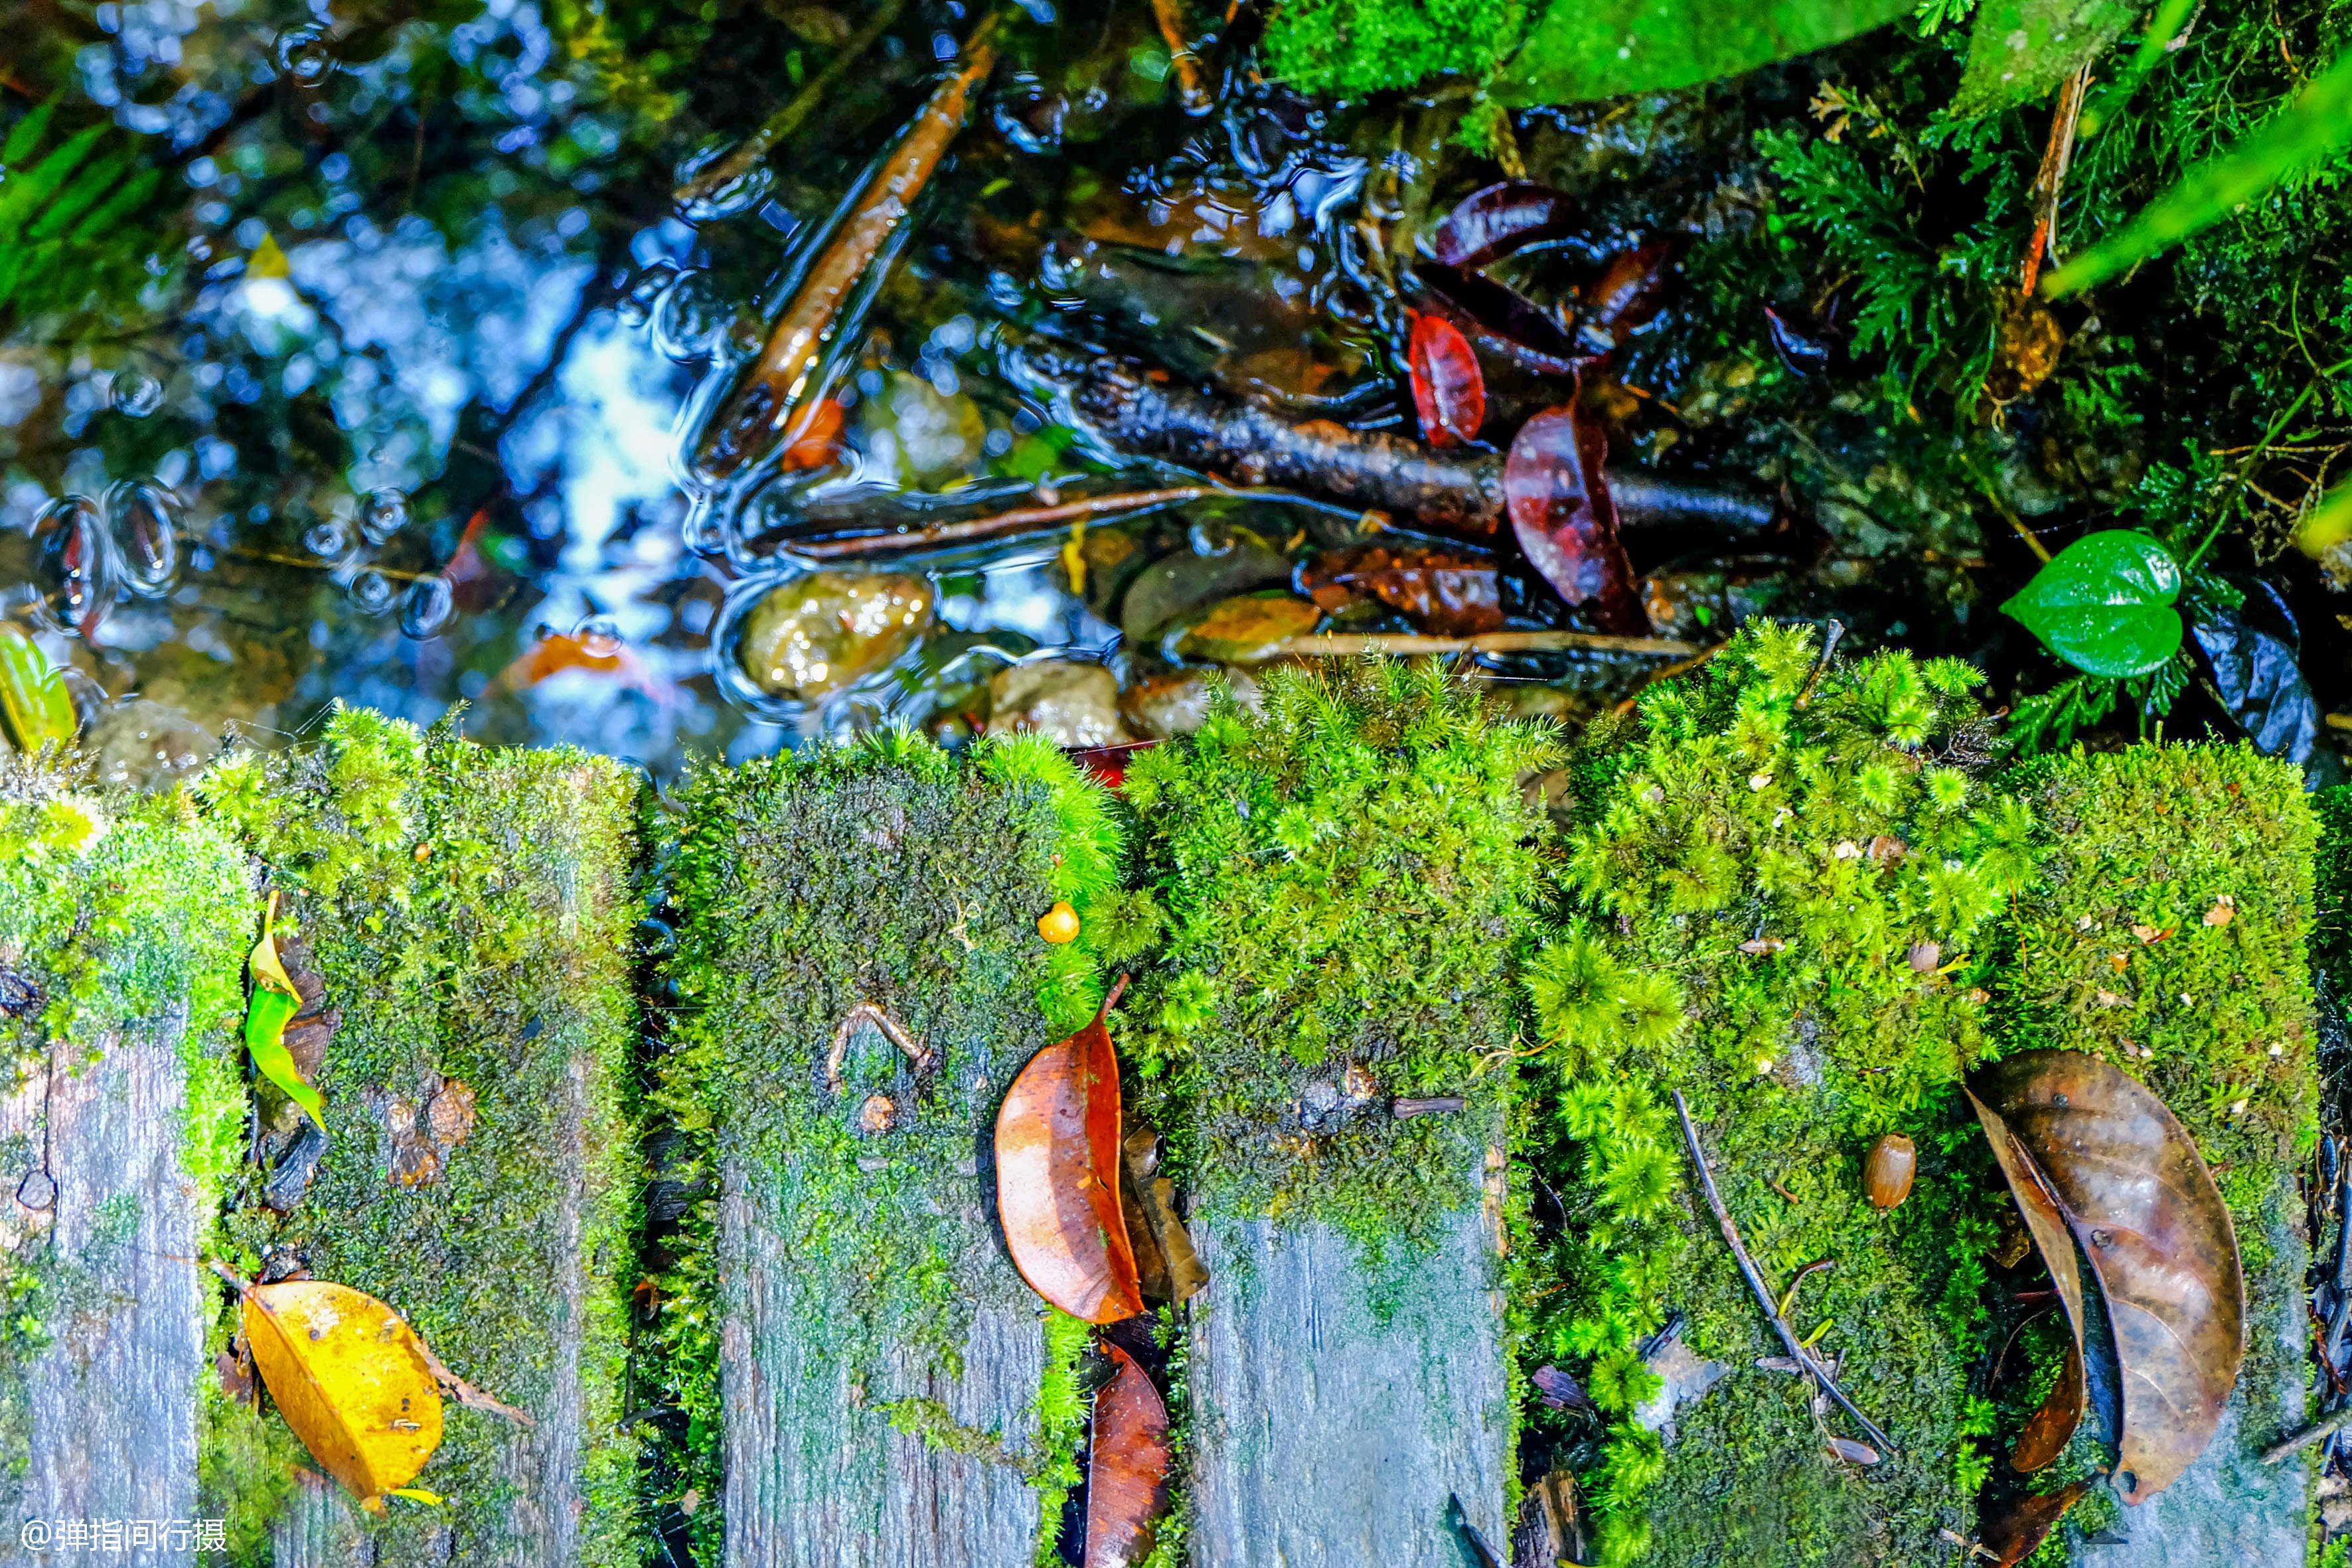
[108,1404]
[1338,1407]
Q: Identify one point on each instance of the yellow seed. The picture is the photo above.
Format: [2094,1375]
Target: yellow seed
[1059,924]
[424,853]
[1887,1169]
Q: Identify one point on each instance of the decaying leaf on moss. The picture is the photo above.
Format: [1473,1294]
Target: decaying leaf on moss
[1127,1473]
[1058,1178]
[2097,1161]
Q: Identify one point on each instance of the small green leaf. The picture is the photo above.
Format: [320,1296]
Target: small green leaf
[2297,137]
[1583,50]
[33,697]
[2104,604]
[265,1037]
[2329,525]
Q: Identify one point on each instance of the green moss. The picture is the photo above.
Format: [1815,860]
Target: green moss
[1348,48]
[890,873]
[1778,885]
[466,909]
[1347,880]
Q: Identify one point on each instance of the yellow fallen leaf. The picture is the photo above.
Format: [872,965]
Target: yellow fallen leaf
[351,1378]
[268,968]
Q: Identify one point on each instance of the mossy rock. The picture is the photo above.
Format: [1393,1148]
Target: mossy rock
[839,1323]
[120,928]
[468,912]
[1349,880]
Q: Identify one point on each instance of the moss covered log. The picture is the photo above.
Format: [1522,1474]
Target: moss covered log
[122,928]
[847,1341]
[1348,879]
[458,920]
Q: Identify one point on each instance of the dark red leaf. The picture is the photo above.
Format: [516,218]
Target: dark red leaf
[1501,320]
[1628,294]
[1564,519]
[1109,763]
[2011,1532]
[1127,1467]
[1506,217]
[1448,391]
[1448,593]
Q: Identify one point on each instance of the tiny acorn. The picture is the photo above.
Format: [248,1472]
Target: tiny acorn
[1887,1170]
[1059,924]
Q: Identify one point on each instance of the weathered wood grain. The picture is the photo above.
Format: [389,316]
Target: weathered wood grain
[110,1401]
[1337,1404]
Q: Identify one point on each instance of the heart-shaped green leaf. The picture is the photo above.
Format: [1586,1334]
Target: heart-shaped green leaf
[2104,604]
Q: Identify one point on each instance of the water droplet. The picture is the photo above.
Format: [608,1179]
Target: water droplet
[74,567]
[302,54]
[1211,538]
[644,291]
[383,513]
[598,636]
[329,540]
[428,608]
[372,591]
[144,518]
[691,318]
[740,194]
[134,393]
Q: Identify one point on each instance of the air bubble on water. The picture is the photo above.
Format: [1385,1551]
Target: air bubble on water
[733,197]
[598,636]
[383,513]
[372,591]
[644,291]
[329,540]
[1211,538]
[142,518]
[302,54]
[74,569]
[691,318]
[428,608]
[134,393]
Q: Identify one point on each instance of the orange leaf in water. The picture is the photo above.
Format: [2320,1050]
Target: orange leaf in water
[1127,1469]
[557,652]
[2097,1162]
[1057,1149]
[817,443]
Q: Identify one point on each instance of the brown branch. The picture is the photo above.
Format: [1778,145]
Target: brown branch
[777,396]
[1755,1277]
[920,1057]
[1399,645]
[1189,85]
[465,1393]
[2052,179]
[1019,520]
[781,125]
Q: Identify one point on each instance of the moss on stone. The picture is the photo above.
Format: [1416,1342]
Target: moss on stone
[892,873]
[467,910]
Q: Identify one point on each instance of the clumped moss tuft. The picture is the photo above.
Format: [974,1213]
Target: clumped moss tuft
[1778,887]
[1348,879]
[467,910]
[1349,47]
[886,872]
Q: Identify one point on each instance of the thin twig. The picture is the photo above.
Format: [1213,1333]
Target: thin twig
[1346,645]
[1191,86]
[1822,665]
[1763,1294]
[1020,519]
[465,1393]
[2319,1431]
[2052,179]
[788,120]
[920,1057]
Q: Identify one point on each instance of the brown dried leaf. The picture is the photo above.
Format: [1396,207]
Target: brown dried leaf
[1448,593]
[1166,1263]
[2012,1532]
[1127,1469]
[1057,1179]
[2096,1160]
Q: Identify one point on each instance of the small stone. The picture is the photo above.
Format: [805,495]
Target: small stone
[816,634]
[1760,781]
[1074,704]
[1249,630]
[878,1115]
[1164,707]
[921,436]
[1359,1085]
[1924,956]
[145,745]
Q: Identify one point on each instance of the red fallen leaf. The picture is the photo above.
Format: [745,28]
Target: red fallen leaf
[1564,519]
[817,441]
[2011,1533]
[1501,320]
[1448,593]
[1057,1147]
[1508,215]
[1628,294]
[1449,391]
[1109,763]
[1127,1469]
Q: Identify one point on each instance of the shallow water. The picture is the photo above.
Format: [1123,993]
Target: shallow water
[387,391]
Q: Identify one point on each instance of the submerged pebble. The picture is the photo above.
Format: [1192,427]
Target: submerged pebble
[1076,704]
[817,634]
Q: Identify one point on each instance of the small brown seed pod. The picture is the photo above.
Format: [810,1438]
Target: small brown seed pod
[1887,1170]
[880,1114]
